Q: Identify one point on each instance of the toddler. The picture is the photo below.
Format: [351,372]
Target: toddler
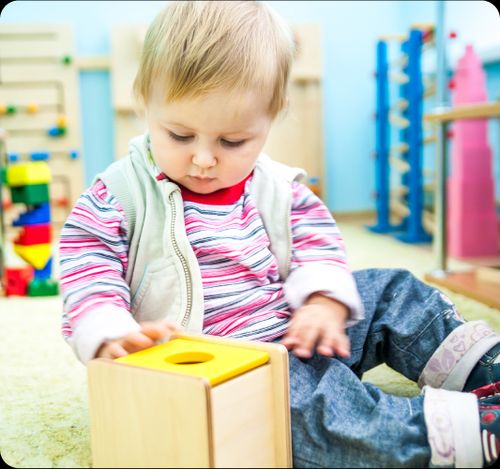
[196,229]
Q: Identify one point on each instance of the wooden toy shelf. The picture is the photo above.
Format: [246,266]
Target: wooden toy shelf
[466,283]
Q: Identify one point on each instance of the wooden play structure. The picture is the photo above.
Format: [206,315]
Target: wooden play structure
[405,200]
[40,126]
[295,140]
[472,283]
[195,401]
[39,108]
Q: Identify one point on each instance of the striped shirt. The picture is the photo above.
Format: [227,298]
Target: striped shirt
[243,293]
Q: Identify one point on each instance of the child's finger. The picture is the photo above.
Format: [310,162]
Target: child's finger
[306,342]
[327,344]
[136,341]
[334,342]
[114,350]
[157,329]
[343,346]
[325,350]
[171,327]
[154,330]
[293,339]
[289,340]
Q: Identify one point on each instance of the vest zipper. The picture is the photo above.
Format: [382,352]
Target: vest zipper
[181,257]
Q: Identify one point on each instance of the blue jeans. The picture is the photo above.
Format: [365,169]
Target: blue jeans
[340,421]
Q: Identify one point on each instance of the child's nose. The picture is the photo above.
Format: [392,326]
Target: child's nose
[204,159]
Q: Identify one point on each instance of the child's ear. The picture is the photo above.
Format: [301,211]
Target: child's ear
[286,107]
[140,110]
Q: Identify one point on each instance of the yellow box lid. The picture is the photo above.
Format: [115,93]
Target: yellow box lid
[214,361]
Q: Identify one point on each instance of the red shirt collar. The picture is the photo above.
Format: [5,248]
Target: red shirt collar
[226,196]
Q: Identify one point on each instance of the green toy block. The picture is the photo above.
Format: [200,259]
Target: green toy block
[3,175]
[43,287]
[31,195]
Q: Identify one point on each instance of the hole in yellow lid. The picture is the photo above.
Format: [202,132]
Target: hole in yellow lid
[189,358]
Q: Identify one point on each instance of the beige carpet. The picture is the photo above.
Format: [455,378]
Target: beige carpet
[43,401]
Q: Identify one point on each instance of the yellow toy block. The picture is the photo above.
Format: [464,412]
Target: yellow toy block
[26,174]
[36,255]
[196,401]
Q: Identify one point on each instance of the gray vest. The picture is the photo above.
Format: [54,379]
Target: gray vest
[163,272]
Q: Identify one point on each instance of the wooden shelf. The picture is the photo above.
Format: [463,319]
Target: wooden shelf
[469,111]
[467,283]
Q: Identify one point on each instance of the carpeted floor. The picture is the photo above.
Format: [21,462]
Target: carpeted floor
[43,392]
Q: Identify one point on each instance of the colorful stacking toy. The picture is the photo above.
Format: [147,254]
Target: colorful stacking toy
[29,184]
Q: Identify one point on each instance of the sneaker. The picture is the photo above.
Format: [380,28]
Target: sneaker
[484,379]
[489,423]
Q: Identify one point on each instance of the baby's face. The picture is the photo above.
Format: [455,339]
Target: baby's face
[210,142]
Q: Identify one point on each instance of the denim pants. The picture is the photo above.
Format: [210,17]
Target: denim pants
[340,421]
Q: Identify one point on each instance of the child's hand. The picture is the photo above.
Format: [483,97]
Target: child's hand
[150,332]
[319,323]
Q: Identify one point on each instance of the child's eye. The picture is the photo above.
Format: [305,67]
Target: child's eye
[179,138]
[231,144]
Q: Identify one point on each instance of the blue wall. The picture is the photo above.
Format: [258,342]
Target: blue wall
[350,31]
[349,35]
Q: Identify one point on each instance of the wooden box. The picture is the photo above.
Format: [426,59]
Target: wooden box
[195,401]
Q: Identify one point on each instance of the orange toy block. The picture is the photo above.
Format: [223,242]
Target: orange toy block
[34,234]
[17,279]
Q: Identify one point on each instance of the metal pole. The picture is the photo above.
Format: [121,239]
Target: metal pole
[440,232]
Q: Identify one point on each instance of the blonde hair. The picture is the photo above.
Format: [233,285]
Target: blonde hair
[194,47]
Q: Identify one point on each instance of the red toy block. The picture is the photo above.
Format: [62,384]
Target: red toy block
[34,234]
[17,280]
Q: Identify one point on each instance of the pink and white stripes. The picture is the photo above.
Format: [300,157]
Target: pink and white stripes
[243,294]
